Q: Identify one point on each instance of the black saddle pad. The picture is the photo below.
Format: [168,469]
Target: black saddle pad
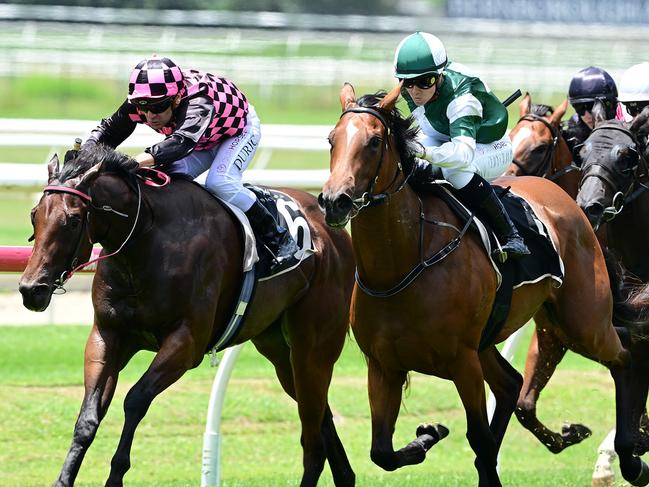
[542,262]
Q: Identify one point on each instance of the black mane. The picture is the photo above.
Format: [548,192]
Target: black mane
[403,129]
[91,155]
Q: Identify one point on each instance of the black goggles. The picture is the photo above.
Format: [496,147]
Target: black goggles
[582,108]
[423,82]
[634,108]
[145,105]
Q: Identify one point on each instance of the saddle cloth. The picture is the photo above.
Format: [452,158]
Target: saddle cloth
[257,261]
[543,261]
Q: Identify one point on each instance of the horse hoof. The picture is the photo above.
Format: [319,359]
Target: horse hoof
[437,431]
[643,478]
[574,433]
[603,476]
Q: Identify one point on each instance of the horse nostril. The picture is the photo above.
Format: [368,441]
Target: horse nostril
[343,204]
[321,202]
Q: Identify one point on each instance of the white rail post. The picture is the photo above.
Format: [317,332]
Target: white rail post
[508,352]
[211,468]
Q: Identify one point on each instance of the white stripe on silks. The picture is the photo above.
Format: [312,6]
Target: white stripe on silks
[466,105]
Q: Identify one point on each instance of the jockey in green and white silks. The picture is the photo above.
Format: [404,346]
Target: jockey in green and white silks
[463,131]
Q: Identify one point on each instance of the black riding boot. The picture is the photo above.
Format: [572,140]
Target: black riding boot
[274,236]
[479,196]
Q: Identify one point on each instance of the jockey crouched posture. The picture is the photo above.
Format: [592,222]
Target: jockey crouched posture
[587,86]
[209,126]
[463,127]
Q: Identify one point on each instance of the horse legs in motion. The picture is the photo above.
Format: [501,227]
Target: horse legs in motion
[545,352]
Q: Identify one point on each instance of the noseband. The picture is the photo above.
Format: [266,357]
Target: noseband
[546,164]
[368,198]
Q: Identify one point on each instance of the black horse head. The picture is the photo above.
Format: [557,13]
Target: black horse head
[612,168]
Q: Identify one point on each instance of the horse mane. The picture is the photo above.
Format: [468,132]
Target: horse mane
[91,155]
[541,110]
[404,130]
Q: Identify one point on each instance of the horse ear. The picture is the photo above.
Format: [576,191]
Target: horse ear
[391,98]
[90,174]
[559,112]
[640,124]
[599,112]
[347,96]
[525,105]
[53,168]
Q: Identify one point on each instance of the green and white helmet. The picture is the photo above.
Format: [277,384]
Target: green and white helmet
[635,84]
[418,54]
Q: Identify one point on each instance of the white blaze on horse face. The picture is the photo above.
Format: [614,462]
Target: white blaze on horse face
[521,135]
[352,130]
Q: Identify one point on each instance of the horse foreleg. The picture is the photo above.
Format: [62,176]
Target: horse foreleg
[176,355]
[101,368]
[545,352]
[630,402]
[272,345]
[384,388]
[469,381]
[505,383]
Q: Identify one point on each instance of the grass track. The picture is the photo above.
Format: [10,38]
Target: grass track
[41,390]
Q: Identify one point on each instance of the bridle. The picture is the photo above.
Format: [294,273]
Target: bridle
[368,198]
[86,198]
[371,199]
[545,166]
[615,178]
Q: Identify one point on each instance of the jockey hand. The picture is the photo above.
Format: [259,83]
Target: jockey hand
[145,159]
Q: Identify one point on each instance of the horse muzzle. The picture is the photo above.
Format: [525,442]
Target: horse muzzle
[337,208]
[36,297]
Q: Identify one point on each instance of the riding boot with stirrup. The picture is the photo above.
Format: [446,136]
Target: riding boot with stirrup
[479,196]
[274,236]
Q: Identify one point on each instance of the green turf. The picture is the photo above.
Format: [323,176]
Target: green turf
[40,393]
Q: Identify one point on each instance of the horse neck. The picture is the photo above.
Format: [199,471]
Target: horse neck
[386,237]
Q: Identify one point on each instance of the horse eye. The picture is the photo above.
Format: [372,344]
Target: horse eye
[74,221]
[375,142]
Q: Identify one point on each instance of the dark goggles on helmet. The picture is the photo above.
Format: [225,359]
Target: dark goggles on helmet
[634,108]
[423,82]
[582,108]
[153,106]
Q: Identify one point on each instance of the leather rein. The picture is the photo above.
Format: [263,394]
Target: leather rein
[74,265]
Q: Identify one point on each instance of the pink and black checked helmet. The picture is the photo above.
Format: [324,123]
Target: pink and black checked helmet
[155,78]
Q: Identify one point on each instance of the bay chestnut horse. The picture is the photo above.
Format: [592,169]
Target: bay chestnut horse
[172,287]
[409,317]
[540,149]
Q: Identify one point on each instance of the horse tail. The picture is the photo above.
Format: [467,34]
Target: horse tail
[630,296]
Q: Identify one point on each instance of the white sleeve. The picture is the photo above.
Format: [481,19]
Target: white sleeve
[456,154]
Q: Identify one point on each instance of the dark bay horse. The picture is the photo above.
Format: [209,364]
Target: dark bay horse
[540,149]
[406,316]
[614,188]
[172,287]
